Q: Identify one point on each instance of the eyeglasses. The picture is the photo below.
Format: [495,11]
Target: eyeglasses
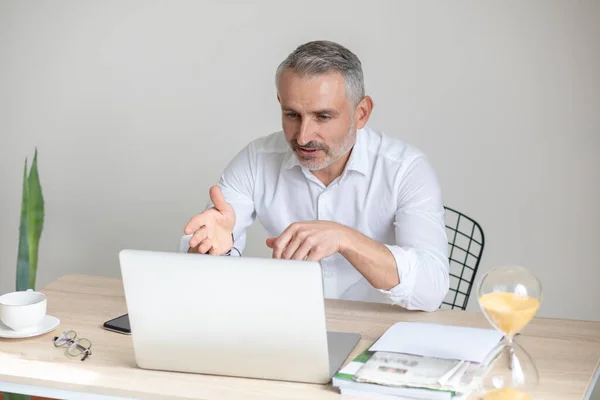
[76,347]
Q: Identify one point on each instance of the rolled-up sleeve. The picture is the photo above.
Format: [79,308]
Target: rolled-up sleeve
[421,249]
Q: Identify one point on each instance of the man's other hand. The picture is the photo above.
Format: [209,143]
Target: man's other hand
[212,228]
[310,240]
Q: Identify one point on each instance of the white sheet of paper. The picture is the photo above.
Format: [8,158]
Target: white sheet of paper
[437,340]
[351,368]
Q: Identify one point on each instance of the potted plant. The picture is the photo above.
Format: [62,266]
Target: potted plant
[30,228]
[30,231]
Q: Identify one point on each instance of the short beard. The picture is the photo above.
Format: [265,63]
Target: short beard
[332,156]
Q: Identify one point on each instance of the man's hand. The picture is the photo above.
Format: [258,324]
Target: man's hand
[212,227]
[315,240]
[311,240]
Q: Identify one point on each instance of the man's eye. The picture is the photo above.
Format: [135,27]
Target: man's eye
[324,117]
[291,115]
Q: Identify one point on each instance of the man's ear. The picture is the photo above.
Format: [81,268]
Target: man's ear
[278,99]
[363,112]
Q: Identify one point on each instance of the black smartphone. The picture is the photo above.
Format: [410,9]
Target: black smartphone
[119,324]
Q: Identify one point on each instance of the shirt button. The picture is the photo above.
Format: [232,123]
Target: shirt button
[327,274]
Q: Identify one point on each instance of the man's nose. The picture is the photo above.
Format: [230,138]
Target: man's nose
[306,132]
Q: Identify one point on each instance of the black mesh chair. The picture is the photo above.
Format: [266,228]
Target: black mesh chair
[465,246]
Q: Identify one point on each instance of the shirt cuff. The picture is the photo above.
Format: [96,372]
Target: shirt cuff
[184,243]
[184,246]
[406,259]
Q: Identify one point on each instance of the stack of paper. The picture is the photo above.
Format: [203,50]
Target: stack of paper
[414,360]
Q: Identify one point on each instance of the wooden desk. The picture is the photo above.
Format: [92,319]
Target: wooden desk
[566,352]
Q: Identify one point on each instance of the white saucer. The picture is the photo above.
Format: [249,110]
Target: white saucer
[48,323]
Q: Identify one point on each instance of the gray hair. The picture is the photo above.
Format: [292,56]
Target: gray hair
[321,57]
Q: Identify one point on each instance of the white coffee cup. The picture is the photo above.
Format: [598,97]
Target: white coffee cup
[22,310]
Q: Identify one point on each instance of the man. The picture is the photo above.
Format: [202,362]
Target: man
[328,188]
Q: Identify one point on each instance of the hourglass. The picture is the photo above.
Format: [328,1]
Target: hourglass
[509,297]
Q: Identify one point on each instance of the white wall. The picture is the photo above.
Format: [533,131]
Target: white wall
[135,106]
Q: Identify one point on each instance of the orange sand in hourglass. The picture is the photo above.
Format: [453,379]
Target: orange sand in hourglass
[509,311]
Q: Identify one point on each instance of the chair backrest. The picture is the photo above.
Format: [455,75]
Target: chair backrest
[465,246]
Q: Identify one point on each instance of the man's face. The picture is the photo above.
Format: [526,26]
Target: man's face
[318,120]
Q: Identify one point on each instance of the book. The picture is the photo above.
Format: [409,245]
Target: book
[351,391]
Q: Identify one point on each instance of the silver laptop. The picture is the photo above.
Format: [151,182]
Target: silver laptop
[236,316]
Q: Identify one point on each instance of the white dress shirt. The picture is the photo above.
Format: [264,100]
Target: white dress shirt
[388,191]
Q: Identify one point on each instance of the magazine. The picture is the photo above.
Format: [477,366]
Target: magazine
[398,369]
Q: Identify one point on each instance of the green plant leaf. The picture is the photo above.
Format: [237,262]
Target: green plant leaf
[13,396]
[35,205]
[23,257]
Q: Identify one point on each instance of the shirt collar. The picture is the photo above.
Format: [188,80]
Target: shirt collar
[291,159]
[358,160]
